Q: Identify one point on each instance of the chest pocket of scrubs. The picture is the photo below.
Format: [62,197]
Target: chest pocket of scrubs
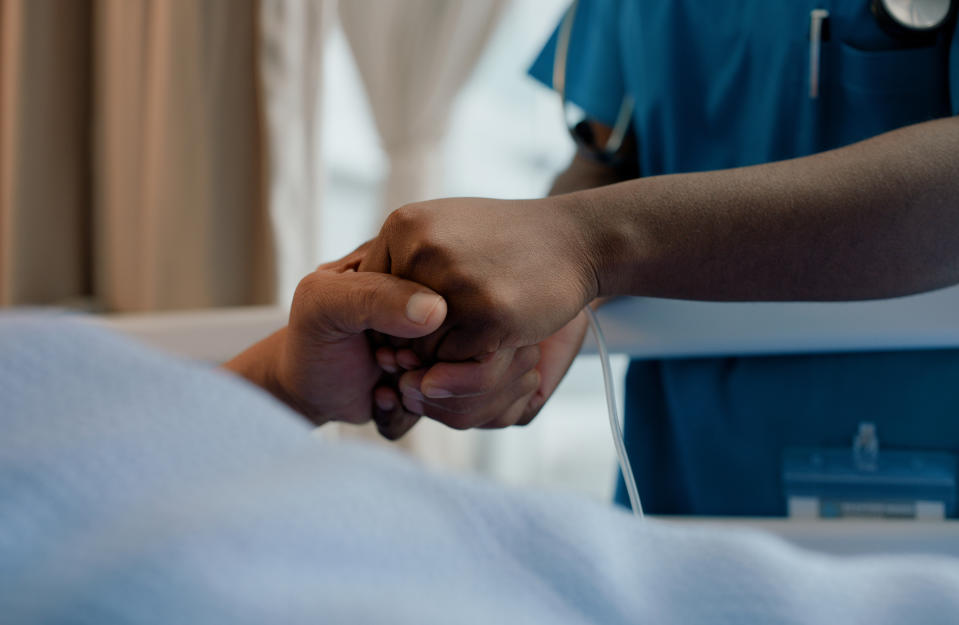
[866,93]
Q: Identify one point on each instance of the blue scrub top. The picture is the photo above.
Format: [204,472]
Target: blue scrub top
[726,84]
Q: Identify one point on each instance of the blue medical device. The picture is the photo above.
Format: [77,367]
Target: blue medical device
[862,481]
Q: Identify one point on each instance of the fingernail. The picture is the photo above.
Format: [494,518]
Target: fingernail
[388,367]
[420,307]
[408,360]
[385,404]
[414,406]
[409,391]
[437,393]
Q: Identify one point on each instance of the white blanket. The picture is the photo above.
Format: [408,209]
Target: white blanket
[138,489]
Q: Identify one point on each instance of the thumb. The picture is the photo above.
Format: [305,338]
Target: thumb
[351,302]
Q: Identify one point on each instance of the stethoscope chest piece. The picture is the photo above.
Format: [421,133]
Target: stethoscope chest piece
[912,17]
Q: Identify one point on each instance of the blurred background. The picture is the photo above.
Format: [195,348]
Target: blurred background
[160,155]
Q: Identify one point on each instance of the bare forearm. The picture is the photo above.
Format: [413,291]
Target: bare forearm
[876,219]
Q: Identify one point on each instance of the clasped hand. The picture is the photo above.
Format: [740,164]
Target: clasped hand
[468,311]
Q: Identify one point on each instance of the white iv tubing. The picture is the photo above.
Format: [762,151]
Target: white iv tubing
[614,424]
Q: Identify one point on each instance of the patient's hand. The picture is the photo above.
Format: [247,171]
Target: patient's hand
[321,364]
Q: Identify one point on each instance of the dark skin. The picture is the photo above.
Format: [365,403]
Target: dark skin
[876,219]
[324,366]
[483,379]
[321,364]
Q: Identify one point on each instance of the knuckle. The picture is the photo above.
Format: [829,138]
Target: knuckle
[407,217]
[420,249]
[305,287]
[427,253]
[530,381]
[311,301]
[363,299]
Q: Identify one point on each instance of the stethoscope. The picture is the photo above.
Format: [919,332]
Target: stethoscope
[911,17]
[580,130]
[900,18]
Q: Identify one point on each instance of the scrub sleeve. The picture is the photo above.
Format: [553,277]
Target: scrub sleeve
[594,74]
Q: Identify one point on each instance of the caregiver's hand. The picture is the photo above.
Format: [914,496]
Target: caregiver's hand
[512,272]
[322,364]
[506,388]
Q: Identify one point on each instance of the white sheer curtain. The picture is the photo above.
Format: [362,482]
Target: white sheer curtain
[413,57]
[292,36]
[508,139]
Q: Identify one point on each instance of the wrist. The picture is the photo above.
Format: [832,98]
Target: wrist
[278,375]
[573,239]
[600,245]
[259,364]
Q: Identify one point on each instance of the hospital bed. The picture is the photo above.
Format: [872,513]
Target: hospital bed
[638,327]
[659,328]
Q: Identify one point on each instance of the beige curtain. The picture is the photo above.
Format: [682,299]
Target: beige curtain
[130,143]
